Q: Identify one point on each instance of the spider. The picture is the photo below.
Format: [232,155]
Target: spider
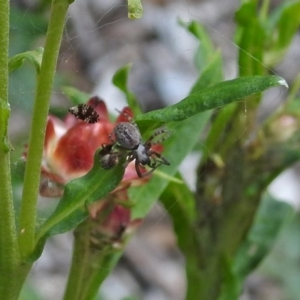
[128,142]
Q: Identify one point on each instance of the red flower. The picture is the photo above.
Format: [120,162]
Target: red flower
[70,146]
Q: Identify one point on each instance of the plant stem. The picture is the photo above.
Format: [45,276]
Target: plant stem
[105,262]
[264,9]
[90,264]
[9,258]
[38,126]
[79,262]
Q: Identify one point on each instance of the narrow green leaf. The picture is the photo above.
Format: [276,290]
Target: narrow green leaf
[71,209]
[288,24]
[69,222]
[282,262]
[251,40]
[179,202]
[135,9]
[76,96]
[206,50]
[5,113]
[216,96]
[34,57]
[177,198]
[120,80]
[271,217]
[211,74]
[281,27]
[217,129]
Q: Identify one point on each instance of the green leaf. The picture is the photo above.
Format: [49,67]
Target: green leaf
[206,50]
[282,25]
[288,24]
[217,129]
[34,57]
[5,113]
[246,13]
[135,9]
[211,74]
[251,40]
[76,96]
[71,209]
[282,264]
[179,202]
[216,96]
[120,80]
[271,217]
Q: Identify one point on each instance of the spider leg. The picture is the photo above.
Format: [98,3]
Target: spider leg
[158,158]
[156,133]
[138,169]
[128,115]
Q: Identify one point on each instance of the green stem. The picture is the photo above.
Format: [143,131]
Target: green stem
[79,262]
[9,256]
[264,10]
[104,264]
[38,126]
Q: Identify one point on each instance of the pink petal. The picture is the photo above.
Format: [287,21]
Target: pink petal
[73,156]
[54,130]
[125,115]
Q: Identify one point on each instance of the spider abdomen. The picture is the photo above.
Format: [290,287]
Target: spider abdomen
[127,135]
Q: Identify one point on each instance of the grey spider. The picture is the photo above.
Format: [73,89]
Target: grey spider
[126,142]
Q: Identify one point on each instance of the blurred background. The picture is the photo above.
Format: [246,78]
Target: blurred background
[98,40]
